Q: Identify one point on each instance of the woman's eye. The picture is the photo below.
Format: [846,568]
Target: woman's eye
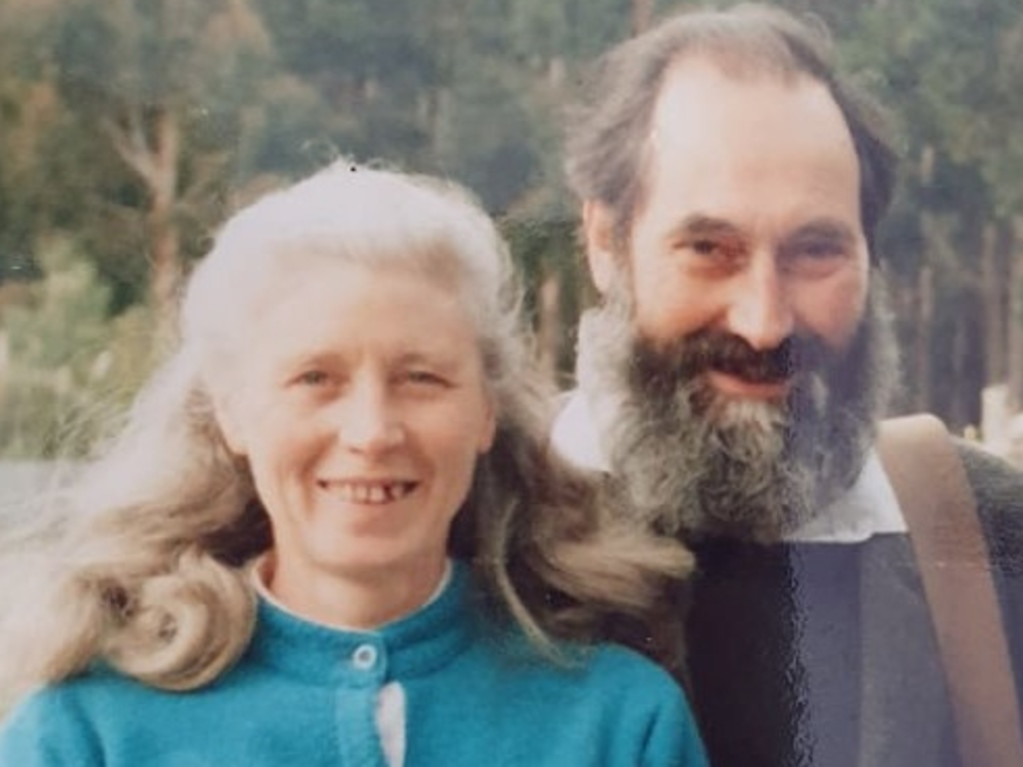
[424,377]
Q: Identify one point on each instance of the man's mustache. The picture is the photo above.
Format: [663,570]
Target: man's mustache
[720,351]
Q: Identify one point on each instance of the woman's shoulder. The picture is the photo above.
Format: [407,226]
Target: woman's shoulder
[578,700]
[81,719]
[610,677]
[75,698]
[578,664]
[637,699]
[58,722]
[635,680]
[614,662]
[648,695]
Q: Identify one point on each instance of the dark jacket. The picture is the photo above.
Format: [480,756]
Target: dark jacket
[824,653]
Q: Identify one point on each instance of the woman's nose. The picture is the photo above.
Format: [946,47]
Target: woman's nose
[369,422]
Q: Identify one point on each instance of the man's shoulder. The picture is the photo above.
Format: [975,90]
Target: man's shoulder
[990,475]
[998,491]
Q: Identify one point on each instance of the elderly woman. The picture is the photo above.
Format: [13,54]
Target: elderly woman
[331,532]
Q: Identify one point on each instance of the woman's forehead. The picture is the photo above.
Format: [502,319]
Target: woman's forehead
[345,304]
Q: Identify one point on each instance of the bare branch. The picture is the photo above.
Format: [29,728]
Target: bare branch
[131,145]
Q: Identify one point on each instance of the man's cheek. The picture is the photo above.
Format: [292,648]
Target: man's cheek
[835,311]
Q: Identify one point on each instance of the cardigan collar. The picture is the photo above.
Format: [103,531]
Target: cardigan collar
[411,646]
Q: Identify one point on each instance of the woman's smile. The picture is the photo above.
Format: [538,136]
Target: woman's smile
[365,491]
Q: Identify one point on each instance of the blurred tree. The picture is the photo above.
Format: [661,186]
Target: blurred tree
[950,68]
[68,366]
[128,128]
[469,90]
[162,85]
[28,106]
[372,66]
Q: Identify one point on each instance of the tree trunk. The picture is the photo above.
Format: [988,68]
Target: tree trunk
[992,288]
[163,227]
[549,331]
[1015,331]
[921,400]
[150,143]
[5,363]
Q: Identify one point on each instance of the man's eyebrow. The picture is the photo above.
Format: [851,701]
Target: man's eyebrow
[824,229]
[702,225]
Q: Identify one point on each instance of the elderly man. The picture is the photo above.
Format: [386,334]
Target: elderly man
[732,381]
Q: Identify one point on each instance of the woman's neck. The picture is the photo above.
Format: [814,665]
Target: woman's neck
[348,601]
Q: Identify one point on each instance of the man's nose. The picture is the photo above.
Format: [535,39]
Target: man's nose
[369,422]
[761,310]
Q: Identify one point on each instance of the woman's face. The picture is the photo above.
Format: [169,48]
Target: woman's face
[361,409]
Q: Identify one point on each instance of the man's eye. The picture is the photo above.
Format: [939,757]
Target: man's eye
[713,253]
[819,250]
[814,258]
[715,249]
[706,247]
[313,378]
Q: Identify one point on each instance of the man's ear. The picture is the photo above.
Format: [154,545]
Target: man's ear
[225,410]
[598,231]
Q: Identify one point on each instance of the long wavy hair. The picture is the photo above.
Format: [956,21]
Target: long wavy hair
[141,563]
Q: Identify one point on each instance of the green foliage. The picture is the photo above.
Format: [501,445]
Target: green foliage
[949,68]
[68,365]
[260,90]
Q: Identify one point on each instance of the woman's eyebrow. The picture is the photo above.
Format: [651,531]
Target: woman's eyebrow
[439,358]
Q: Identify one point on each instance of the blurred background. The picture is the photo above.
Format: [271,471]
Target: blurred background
[130,128]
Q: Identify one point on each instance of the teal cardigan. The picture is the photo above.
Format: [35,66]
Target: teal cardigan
[304,694]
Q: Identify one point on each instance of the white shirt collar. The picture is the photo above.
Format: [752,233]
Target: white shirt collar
[868,508]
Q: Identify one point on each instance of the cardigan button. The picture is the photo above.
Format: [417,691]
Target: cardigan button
[364,657]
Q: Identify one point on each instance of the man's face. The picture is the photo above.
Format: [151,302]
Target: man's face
[749,224]
[752,354]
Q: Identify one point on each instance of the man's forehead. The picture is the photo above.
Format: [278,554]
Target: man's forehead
[697,88]
[728,132]
[713,129]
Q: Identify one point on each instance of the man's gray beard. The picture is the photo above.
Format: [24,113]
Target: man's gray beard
[740,468]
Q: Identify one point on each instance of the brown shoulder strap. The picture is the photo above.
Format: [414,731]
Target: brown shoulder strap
[931,486]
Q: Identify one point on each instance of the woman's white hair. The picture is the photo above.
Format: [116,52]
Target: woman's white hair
[141,562]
